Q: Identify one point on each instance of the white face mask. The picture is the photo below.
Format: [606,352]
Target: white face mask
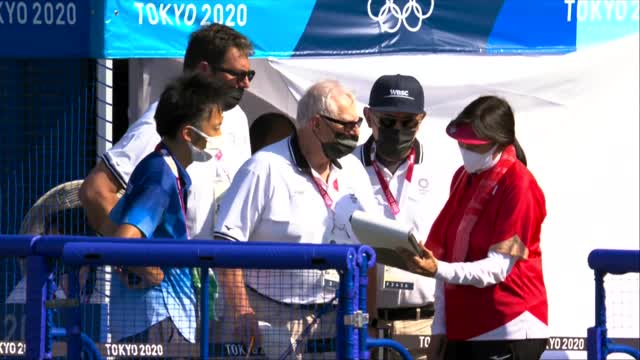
[475,162]
[199,155]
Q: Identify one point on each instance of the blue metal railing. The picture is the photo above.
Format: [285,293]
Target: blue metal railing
[603,262]
[352,263]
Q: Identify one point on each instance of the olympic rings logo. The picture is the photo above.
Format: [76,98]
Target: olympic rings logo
[400,14]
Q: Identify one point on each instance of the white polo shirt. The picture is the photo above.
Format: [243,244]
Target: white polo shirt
[276,199]
[141,138]
[398,288]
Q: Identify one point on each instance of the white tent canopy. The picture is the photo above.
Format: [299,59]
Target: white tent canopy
[577,118]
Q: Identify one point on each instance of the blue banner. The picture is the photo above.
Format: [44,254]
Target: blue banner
[286,28]
[54,29]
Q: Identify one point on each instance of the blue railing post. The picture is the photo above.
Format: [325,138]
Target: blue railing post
[603,262]
[204,313]
[73,319]
[597,335]
[345,343]
[363,281]
[39,273]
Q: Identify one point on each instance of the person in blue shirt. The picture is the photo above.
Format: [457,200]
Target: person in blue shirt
[152,304]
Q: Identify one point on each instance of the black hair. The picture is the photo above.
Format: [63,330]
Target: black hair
[188,100]
[492,118]
[263,126]
[211,43]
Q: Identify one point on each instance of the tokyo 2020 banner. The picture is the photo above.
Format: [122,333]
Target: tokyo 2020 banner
[288,28]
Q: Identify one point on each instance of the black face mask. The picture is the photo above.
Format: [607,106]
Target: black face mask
[341,145]
[233,98]
[394,144]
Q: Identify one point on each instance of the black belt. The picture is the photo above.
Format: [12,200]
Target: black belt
[413,313]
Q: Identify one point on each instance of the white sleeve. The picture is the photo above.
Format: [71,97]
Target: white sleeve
[439,325]
[140,139]
[235,128]
[482,273]
[242,205]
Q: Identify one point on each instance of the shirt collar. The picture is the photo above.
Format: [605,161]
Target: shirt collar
[185,179]
[298,158]
[365,155]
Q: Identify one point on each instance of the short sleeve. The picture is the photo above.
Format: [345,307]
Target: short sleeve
[143,204]
[140,139]
[243,203]
[520,215]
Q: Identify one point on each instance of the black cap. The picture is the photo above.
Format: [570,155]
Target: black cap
[397,93]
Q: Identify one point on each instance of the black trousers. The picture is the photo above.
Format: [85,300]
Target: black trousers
[529,349]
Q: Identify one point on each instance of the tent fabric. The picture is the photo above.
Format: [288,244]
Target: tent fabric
[577,119]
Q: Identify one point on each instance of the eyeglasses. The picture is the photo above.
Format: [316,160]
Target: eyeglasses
[347,125]
[405,123]
[239,74]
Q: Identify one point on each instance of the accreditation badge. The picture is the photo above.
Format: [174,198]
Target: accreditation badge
[395,279]
[330,279]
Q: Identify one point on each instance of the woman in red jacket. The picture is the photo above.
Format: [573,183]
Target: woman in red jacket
[484,247]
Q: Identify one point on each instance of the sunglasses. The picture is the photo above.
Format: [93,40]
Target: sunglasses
[240,75]
[347,125]
[390,122]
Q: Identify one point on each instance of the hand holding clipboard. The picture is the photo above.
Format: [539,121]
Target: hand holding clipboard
[386,237]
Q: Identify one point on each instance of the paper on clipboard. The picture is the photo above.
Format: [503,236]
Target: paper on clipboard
[384,236]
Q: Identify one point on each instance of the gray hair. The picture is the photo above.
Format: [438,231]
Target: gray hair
[320,99]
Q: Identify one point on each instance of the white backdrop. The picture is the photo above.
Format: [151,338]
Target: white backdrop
[577,119]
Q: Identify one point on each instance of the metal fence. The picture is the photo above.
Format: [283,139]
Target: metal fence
[604,262]
[55,264]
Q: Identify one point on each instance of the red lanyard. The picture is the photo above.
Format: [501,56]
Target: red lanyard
[182,204]
[391,200]
[323,192]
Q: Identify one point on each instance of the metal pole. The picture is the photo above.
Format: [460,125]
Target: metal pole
[362,296]
[597,335]
[39,272]
[73,321]
[345,342]
[204,312]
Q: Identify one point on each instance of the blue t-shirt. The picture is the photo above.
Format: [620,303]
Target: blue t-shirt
[153,203]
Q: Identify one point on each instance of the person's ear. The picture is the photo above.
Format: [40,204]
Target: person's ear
[185,134]
[368,113]
[315,122]
[204,67]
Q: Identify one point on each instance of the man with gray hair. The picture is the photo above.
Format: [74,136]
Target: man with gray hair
[302,189]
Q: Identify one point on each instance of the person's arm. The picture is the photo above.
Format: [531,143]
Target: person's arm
[240,210]
[482,273]
[244,317]
[149,276]
[99,191]
[98,195]
[485,272]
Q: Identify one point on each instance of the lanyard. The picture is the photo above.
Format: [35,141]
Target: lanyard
[172,164]
[391,200]
[323,192]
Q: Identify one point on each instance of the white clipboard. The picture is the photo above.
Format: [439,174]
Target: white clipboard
[384,236]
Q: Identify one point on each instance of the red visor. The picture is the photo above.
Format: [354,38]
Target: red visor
[464,133]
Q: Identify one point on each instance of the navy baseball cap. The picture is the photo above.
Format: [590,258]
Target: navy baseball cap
[397,93]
